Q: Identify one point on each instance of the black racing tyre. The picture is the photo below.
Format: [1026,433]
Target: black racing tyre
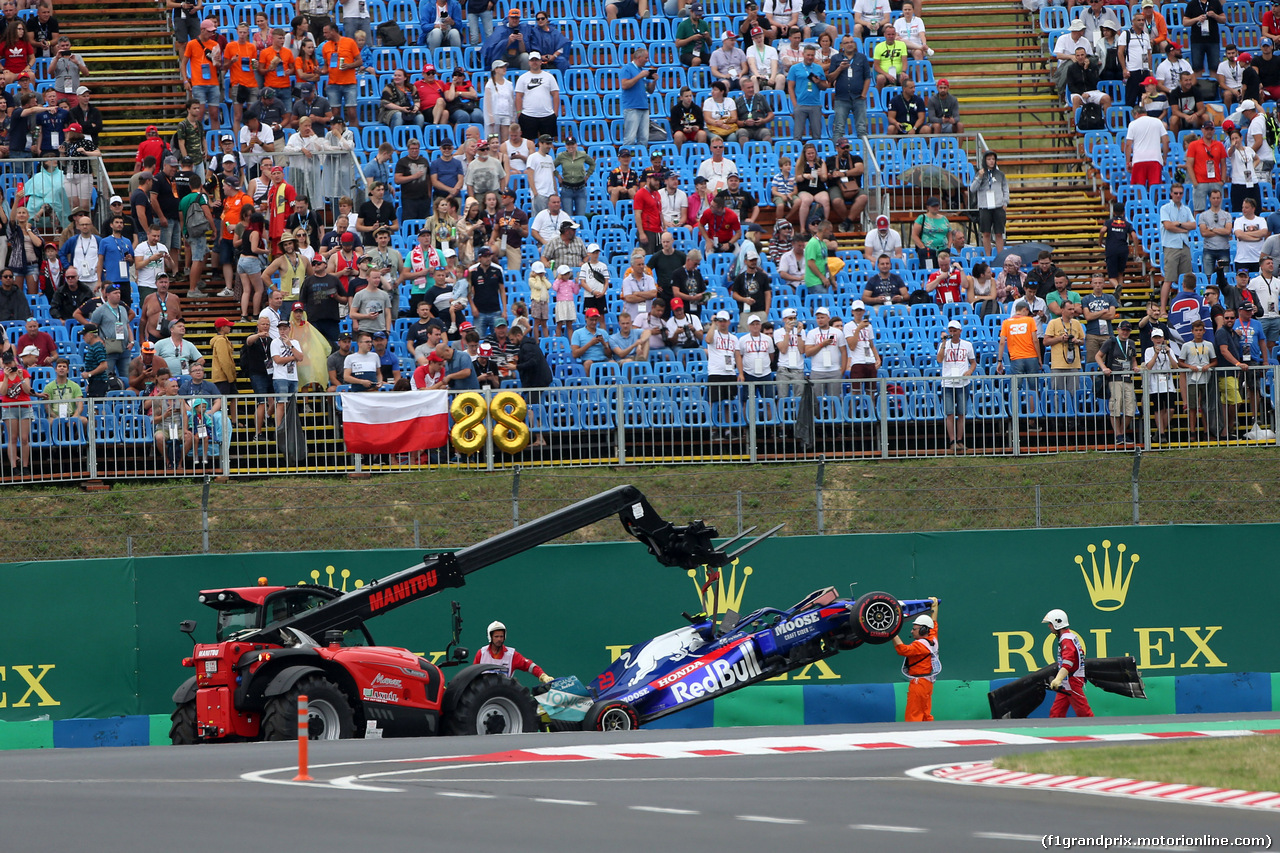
[329,713]
[183,730]
[493,704]
[877,617]
[611,715]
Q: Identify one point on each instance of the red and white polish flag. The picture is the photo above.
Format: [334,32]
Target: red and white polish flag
[395,422]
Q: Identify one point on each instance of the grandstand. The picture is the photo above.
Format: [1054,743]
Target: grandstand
[994,55]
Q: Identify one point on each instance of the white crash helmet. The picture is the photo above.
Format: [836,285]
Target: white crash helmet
[926,621]
[498,626]
[1056,618]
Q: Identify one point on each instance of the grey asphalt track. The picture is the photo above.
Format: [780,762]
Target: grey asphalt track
[192,799]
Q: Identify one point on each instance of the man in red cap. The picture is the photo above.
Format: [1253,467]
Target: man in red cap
[882,240]
[944,109]
[152,146]
[588,343]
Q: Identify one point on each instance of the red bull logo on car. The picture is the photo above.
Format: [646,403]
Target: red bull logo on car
[719,675]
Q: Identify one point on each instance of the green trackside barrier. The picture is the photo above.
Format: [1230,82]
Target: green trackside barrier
[112,647]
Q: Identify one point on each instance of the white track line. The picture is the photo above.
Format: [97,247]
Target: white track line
[875,827]
[563,802]
[1008,836]
[660,810]
[751,818]
[465,795]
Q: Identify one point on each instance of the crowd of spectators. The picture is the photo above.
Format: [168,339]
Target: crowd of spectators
[463,265]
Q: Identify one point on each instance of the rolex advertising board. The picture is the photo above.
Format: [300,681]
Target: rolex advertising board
[104,638]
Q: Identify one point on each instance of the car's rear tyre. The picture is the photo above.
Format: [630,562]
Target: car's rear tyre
[611,716]
[493,704]
[877,617]
[329,714]
[183,730]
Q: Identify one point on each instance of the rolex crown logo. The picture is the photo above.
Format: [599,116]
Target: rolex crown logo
[331,571]
[1107,587]
[725,594]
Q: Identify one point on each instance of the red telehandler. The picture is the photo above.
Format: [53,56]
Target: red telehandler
[275,643]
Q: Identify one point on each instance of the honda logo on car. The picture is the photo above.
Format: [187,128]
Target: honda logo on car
[719,675]
[793,628]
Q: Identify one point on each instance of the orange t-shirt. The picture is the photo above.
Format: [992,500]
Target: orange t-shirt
[1020,336]
[302,65]
[349,52]
[241,55]
[203,71]
[281,76]
[231,211]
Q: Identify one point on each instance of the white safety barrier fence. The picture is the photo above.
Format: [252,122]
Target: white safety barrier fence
[127,436]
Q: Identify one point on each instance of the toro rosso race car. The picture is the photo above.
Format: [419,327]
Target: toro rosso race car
[701,661]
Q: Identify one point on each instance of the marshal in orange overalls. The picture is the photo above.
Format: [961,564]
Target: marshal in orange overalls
[921,665]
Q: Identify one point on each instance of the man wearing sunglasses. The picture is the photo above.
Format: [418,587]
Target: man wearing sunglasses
[554,46]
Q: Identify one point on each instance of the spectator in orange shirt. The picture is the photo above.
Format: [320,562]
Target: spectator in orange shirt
[1021,335]
[235,201]
[276,63]
[241,60]
[202,71]
[341,59]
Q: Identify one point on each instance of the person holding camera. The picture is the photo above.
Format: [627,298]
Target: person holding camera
[1064,337]
[638,83]
[66,68]
[186,20]
[1161,359]
[805,82]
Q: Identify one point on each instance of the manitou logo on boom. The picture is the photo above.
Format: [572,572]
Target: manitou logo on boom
[411,588]
[719,675]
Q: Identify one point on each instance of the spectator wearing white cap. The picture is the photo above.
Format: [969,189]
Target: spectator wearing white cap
[757,350]
[1255,136]
[593,278]
[826,346]
[860,341]
[1064,50]
[728,63]
[788,339]
[724,359]
[752,288]
[958,363]
[882,240]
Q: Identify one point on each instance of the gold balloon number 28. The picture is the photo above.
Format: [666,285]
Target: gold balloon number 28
[507,410]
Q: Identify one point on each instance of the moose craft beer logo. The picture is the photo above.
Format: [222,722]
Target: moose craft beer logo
[1167,646]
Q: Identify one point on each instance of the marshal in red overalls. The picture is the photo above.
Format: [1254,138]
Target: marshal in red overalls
[1070,668]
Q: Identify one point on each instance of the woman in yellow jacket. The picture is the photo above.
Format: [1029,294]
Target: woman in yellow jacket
[223,373]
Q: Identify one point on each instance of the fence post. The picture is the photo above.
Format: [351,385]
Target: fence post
[751,438]
[93,439]
[488,434]
[204,513]
[128,546]
[515,497]
[1037,504]
[1146,417]
[817,488]
[740,525]
[1015,413]
[884,419]
[1137,462]
[621,424]
[417,534]
[225,449]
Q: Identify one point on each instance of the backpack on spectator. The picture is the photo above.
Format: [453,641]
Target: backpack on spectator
[197,224]
[1272,129]
[1091,118]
